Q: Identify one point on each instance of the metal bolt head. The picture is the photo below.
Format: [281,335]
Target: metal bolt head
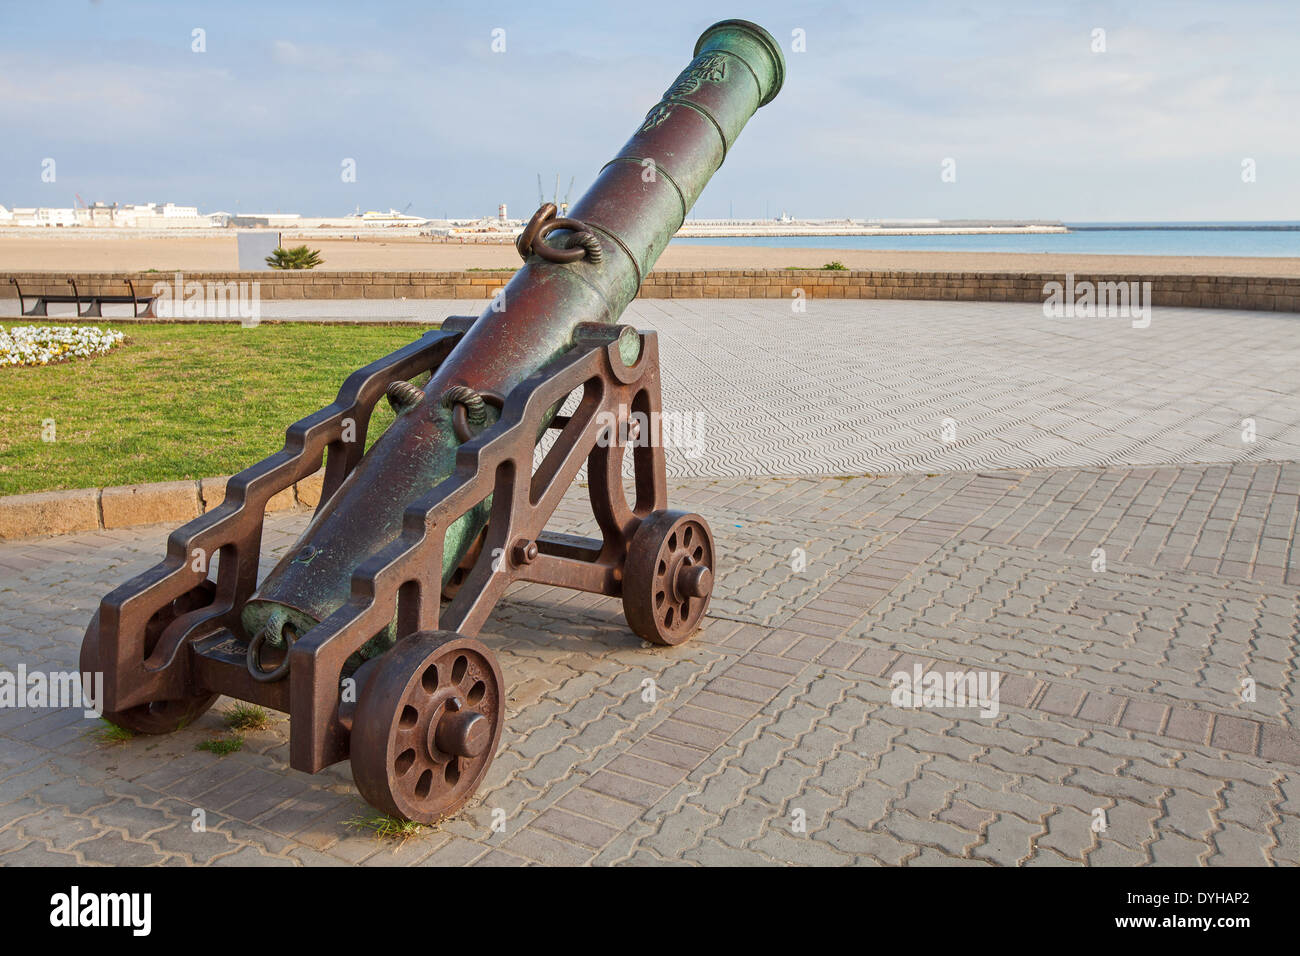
[694,580]
[524,552]
[463,733]
[629,346]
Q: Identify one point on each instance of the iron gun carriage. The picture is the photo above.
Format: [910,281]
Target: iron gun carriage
[365,633]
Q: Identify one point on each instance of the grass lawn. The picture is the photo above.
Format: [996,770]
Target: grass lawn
[177,400]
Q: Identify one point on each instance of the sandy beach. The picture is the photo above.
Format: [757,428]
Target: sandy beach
[218,254]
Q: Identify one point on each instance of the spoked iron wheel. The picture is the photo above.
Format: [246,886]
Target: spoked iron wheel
[427,725]
[668,576]
[160,716]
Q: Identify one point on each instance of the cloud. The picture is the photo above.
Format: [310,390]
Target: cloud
[1039,124]
[332,60]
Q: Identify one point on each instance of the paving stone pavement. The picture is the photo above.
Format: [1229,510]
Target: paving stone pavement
[1137,611]
[773,738]
[845,387]
[942,386]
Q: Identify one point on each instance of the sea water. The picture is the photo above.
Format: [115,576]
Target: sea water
[1117,239]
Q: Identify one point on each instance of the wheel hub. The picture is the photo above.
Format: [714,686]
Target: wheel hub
[693,580]
[459,732]
[428,725]
[668,576]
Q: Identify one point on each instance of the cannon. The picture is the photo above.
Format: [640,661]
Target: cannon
[365,633]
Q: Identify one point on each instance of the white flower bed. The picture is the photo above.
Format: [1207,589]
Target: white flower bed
[43,344]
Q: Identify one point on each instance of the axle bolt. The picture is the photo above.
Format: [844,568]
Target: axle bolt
[694,580]
[462,733]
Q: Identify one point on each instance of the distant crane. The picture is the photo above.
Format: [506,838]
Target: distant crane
[555,197]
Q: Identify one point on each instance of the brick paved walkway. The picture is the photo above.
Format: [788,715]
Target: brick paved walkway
[954,386]
[917,386]
[1120,605]
[773,739]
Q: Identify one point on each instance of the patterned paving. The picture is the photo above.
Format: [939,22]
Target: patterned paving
[856,546]
[853,387]
[1180,636]
[777,745]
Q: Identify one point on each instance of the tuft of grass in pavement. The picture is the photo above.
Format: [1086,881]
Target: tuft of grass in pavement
[386,827]
[221,746]
[111,733]
[247,717]
[177,401]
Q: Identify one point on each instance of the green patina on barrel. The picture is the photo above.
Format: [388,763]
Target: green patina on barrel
[637,203]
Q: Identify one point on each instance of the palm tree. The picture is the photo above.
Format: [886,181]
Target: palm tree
[297,258]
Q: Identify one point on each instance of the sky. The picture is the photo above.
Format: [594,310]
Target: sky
[1037,121]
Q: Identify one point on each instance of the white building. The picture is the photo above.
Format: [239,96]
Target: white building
[353,223]
[160,216]
[56,217]
[103,215]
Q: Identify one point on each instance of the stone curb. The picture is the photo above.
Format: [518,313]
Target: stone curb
[47,513]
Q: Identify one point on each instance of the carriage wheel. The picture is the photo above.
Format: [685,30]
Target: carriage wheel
[160,716]
[427,725]
[668,576]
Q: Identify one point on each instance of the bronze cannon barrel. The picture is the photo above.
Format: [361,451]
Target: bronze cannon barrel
[583,269]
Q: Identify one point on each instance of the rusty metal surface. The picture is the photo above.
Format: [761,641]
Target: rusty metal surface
[638,201]
[401,582]
[427,725]
[669,577]
[141,667]
[452,486]
[157,716]
[580,243]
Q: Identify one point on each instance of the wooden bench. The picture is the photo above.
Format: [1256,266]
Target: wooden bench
[141,306]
